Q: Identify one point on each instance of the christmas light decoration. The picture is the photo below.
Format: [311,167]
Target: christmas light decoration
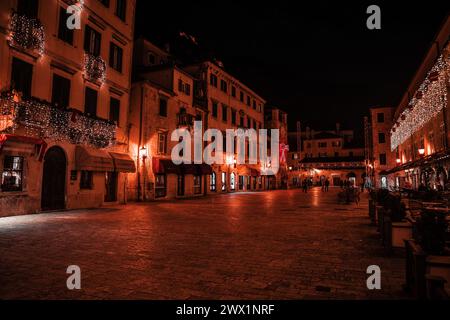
[427,103]
[94,68]
[40,119]
[27,33]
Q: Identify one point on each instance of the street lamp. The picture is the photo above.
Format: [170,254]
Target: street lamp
[398,161]
[422,151]
[143,153]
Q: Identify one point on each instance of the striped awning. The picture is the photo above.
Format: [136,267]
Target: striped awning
[123,162]
[90,159]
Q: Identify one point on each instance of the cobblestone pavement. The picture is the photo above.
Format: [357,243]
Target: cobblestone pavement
[268,245]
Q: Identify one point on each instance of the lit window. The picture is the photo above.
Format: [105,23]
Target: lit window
[12,174]
[212,182]
[162,139]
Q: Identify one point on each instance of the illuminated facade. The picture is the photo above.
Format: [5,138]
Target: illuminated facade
[64,104]
[229,105]
[162,101]
[329,155]
[420,134]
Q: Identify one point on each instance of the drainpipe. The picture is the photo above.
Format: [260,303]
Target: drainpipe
[139,145]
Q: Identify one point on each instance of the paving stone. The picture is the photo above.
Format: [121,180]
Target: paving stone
[269,245]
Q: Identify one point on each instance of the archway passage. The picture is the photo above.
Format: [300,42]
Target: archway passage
[54,180]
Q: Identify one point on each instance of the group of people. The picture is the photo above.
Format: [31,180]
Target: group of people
[325,185]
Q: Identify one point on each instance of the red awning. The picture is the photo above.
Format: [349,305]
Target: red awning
[161,166]
[90,159]
[14,140]
[254,173]
[123,162]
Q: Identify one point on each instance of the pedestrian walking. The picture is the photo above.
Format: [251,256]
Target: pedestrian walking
[327,185]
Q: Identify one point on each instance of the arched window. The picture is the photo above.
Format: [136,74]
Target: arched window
[212,182]
[232,181]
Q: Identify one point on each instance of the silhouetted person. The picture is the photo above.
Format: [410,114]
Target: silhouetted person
[327,185]
[305,186]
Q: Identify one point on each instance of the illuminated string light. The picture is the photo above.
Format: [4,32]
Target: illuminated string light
[45,121]
[94,68]
[27,33]
[427,103]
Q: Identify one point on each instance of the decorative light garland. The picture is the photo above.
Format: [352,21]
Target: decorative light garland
[429,100]
[94,68]
[46,121]
[27,33]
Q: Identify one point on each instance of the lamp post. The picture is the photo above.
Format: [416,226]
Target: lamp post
[143,154]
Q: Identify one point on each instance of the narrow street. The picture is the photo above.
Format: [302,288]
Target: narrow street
[268,245]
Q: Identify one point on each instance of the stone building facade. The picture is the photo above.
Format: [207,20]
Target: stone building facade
[64,104]
[380,158]
[420,130]
[331,155]
[229,104]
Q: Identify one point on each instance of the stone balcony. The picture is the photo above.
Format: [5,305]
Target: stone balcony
[41,119]
[26,33]
[94,68]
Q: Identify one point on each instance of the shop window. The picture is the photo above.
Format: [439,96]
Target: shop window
[12,174]
[233,182]
[241,182]
[160,186]
[249,179]
[86,180]
[224,181]
[212,182]
[197,184]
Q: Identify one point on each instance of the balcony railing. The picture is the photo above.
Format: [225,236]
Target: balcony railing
[94,68]
[44,120]
[26,33]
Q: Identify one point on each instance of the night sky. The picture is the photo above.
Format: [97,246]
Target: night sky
[319,62]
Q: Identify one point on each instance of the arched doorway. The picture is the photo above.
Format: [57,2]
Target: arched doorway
[233,181]
[54,180]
